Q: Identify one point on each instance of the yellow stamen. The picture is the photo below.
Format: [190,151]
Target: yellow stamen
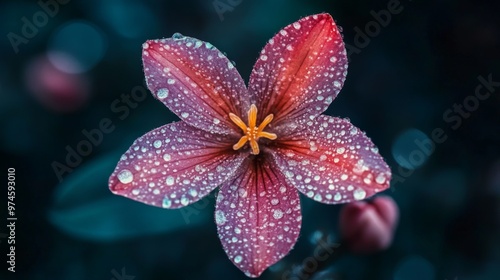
[241,143]
[251,133]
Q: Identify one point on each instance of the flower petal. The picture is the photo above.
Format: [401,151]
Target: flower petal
[333,162]
[300,70]
[174,165]
[196,81]
[258,217]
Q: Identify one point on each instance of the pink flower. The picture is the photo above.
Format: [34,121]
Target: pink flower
[369,227]
[258,144]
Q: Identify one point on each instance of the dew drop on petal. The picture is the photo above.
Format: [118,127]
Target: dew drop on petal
[359,194]
[238,259]
[380,178]
[193,192]
[166,203]
[337,197]
[162,93]
[177,36]
[318,197]
[220,217]
[296,25]
[184,200]
[278,214]
[125,176]
[166,157]
[171,81]
[185,114]
[157,144]
[170,180]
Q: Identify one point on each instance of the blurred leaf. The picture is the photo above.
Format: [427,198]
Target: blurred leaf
[84,207]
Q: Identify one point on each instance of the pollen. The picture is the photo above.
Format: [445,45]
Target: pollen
[252,132]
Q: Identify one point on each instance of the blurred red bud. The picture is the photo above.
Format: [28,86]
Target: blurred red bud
[368,226]
[55,89]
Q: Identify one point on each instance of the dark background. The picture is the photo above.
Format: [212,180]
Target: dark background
[403,81]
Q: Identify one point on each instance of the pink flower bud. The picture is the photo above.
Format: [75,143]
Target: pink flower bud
[56,90]
[368,227]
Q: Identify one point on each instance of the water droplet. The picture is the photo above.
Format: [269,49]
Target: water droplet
[220,217]
[216,121]
[193,192]
[380,178]
[318,197]
[238,259]
[177,36]
[184,200]
[237,230]
[162,93]
[136,191]
[171,81]
[337,197]
[166,203]
[184,114]
[359,194]
[157,144]
[275,201]
[170,180]
[166,157]
[125,176]
[296,25]
[278,214]
[343,177]
[333,59]
[263,57]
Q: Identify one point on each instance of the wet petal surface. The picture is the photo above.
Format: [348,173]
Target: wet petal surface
[174,165]
[258,217]
[333,162]
[196,81]
[300,71]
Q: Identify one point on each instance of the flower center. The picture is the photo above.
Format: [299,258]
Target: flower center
[252,133]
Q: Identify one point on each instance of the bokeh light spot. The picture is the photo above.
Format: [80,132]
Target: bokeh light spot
[82,41]
[412,148]
[414,268]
